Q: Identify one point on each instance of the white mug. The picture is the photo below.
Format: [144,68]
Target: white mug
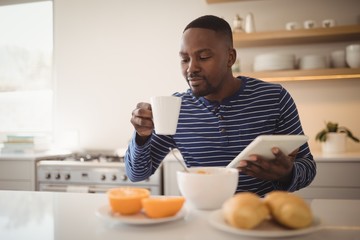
[328,23]
[165,110]
[308,24]
[291,26]
[338,59]
[353,55]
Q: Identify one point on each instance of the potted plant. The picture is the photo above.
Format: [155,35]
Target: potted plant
[333,138]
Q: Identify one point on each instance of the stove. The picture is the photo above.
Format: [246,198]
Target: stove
[92,172]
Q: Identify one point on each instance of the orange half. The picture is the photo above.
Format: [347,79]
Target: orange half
[160,207]
[127,200]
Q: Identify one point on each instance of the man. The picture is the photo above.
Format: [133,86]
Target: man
[220,115]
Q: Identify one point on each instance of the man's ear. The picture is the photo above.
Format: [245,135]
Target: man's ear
[232,57]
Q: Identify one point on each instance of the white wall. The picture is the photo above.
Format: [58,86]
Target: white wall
[111,54]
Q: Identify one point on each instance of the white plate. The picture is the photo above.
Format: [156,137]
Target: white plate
[105,214]
[268,229]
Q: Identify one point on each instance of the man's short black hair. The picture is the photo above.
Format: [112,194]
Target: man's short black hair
[214,23]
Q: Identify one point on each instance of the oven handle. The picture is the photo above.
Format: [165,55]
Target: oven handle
[64,188]
[77,188]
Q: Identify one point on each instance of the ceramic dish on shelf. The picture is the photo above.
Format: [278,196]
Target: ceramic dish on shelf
[312,62]
[274,61]
[105,214]
[267,229]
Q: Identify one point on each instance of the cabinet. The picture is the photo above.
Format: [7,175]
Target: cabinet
[340,180]
[17,174]
[300,36]
[170,167]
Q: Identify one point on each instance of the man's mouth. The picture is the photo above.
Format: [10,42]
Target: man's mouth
[194,81]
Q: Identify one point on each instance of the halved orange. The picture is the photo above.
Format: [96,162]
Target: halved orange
[159,207]
[127,200]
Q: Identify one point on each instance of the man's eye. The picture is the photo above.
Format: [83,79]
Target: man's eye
[204,57]
[184,60]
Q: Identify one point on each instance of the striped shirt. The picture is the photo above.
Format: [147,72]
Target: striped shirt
[212,134]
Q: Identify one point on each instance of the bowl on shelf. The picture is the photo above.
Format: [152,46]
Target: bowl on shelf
[207,188]
[274,61]
[312,62]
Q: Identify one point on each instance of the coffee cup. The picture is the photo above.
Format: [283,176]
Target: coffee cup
[353,55]
[328,23]
[308,24]
[338,59]
[291,26]
[165,110]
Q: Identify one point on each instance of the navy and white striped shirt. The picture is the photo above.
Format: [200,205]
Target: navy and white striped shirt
[212,134]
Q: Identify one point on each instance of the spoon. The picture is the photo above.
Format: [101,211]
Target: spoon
[178,159]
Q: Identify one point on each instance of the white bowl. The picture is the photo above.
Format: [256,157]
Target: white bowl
[209,190]
[274,61]
[312,62]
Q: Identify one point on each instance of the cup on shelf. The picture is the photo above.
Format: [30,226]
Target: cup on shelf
[338,59]
[326,23]
[308,24]
[353,55]
[250,23]
[291,26]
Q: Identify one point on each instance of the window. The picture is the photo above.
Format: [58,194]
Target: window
[26,87]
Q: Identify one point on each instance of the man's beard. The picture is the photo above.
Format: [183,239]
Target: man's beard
[204,91]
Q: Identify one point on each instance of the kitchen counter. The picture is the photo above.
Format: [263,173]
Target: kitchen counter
[66,216]
[353,156]
[18,171]
[33,156]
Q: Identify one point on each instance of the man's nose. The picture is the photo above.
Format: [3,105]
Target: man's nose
[193,66]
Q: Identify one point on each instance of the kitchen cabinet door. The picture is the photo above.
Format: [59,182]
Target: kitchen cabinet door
[171,166]
[17,175]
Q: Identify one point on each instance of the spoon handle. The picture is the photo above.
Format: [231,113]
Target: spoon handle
[179,160]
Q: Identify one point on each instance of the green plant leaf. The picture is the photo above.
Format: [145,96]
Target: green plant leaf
[348,133]
[321,136]
[334,127]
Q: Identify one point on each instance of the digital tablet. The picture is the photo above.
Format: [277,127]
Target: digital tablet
[263,144]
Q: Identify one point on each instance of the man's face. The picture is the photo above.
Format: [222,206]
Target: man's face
[204,60]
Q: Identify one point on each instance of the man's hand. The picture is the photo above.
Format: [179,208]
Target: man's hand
[142,121]
[277,169]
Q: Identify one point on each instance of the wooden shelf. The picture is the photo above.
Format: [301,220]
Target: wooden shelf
[305,75]
[226,1]
[298,36]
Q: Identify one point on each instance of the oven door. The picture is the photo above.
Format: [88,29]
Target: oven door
[45,187]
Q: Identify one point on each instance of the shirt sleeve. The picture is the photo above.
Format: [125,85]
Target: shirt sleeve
[304,169]
[142,161]
[138,161]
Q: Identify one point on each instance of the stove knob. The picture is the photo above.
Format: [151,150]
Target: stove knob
[124,177]
[67,176]
[48,176]
[103,177]
[113,177]
[57,176]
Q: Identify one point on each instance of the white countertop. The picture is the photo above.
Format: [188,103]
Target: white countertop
[346,156]
[318,156]
[66,216]
[34,156]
